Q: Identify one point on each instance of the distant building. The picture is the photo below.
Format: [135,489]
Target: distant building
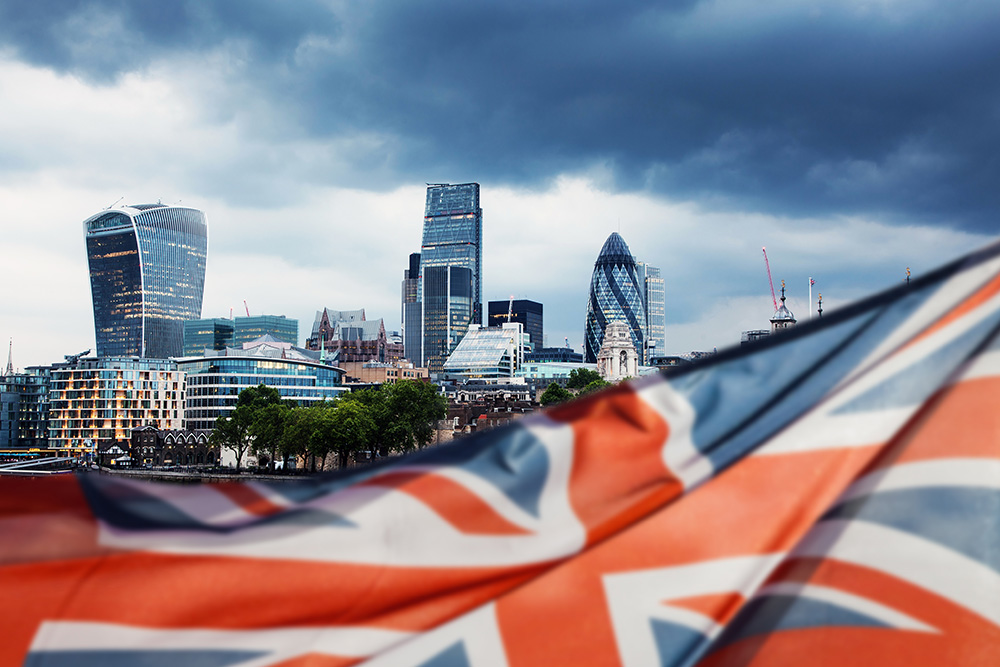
[753,335]
[489,352]
[617,358]
[410,311]
[655,309]
[347,335]
[782,318]
[215,380]
[528,313]
[557,354]
[98,401]
[212,334]
[615,294]
[147,276]
[376,372]
[450,285]
[152,446]
[24,410]
[249,329]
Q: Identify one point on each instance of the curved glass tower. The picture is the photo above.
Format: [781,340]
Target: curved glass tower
[615,294]
[147,276]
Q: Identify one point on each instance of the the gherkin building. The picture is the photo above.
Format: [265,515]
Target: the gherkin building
[615,294]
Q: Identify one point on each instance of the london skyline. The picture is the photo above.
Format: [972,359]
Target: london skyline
[853,140]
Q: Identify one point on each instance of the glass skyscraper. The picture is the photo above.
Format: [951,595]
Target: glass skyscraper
[653,299]
[147,276]
[615,294]
[450,287]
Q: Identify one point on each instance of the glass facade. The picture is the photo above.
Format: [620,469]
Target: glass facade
[24,409]
[447,311]
[528,313]
[410,309]
[615,294]
[653,299]
[248,329]
[201,335]
[452,237]
[214,383]
[147,276]
[489,352]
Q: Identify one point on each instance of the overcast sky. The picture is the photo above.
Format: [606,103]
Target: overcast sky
[853,138]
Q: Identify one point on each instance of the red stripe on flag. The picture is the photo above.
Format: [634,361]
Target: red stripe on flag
[451,501]
[618,470]
[981,296]
[248,498]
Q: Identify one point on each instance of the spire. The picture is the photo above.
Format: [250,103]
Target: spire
[821,304]
[782,292]
[10,361]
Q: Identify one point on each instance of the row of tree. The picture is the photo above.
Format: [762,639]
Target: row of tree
[581,381]
[389,419]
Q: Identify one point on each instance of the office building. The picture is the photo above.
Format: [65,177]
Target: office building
[528,313]
[249,329]
[450,285]
[98,401]
[24,405]
[411,312]
[655,310]
[211,334]
[615,294]
[564,355]
[214,381]
[489,352]
[147,276]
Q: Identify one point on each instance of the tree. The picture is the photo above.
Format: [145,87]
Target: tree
[411,408]
[233,432]
[554,394]
[267,430]
[596,385]
[351,428]
[581,377]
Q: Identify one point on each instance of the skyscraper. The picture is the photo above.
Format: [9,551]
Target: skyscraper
[655,309]
[147,276]
[615,294]
[450,287]
[410,319]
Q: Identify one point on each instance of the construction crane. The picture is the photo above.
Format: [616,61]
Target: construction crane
[770,283]
[248,307]
[510,309]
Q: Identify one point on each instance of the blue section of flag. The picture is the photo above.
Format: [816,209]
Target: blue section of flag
[677,644]
[960,518]
[453,656]
[125,658]
[919,380]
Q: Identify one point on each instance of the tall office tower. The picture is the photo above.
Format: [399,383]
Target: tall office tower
[211,334]
[147,276]
[653,301]
[410,310]
[528,313]
[615,294]
[450,255]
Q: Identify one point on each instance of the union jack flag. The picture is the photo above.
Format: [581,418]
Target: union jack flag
[829,496]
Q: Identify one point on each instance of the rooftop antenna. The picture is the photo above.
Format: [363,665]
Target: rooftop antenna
[811,283]
[113,205]
[10,364]
[907,275]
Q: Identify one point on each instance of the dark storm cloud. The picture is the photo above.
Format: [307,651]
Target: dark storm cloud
[885,109]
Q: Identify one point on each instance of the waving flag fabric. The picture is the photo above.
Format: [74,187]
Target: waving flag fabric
[828,497]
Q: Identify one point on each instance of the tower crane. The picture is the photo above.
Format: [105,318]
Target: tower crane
[510,309]
[248,307]
[770,283]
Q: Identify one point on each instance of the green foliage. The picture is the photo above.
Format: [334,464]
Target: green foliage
[596,385]
[267,430]
[233,432]
[579,378]
[554,394]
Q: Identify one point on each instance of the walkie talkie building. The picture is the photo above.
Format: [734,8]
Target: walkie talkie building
[147,276]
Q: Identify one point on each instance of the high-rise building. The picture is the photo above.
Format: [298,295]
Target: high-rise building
[615,294]
[411,311]
[528,313]
[450,286]
[147,276]
[655,310]
[249,329]
[489,352]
